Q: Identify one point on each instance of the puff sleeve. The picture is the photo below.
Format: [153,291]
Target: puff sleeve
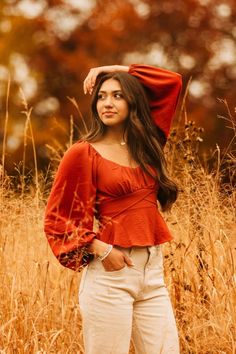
[163,88]
[68,222]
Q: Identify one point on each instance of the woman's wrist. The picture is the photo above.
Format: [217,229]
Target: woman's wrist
[122,68]
[97,247]
[113,68]
[105,253]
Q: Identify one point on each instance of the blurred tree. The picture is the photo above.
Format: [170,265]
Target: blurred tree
[48,47]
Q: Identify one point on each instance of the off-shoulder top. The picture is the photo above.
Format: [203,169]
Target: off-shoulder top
[122,198]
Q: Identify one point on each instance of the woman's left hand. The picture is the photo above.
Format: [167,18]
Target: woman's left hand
[90,79]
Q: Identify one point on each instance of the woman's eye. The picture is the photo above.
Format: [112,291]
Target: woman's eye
[118,95]
[115,95]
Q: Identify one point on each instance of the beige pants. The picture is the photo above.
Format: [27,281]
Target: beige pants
[129,303]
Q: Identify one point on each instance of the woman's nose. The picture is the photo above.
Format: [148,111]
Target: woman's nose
[108,102]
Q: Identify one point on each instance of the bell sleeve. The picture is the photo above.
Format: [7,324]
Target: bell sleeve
[68,222]
[163,88]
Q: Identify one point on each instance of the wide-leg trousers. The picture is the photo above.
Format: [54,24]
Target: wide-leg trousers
[131,303]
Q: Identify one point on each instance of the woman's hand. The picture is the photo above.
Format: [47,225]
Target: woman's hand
[116,260]
[90,79]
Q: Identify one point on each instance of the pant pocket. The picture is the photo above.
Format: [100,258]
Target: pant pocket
[156,258]
[114,272]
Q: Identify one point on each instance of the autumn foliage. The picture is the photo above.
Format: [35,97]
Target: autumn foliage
[47,47]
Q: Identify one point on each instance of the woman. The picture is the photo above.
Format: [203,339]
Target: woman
[117,173]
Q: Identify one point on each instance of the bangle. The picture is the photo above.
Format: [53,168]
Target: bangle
[106,253]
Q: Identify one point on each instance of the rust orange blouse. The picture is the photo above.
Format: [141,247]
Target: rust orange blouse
[122,198]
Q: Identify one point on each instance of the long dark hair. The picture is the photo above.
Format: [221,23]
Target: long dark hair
[145,141]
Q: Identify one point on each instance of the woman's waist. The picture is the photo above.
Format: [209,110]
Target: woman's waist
[142,256]
[139,249]
[140,199]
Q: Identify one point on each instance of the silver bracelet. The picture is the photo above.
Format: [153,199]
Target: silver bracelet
[106,253]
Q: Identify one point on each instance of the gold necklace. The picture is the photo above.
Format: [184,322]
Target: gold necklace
[122,143]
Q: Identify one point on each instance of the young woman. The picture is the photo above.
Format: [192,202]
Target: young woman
[117,173]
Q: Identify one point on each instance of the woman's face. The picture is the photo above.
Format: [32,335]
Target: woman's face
[112,108]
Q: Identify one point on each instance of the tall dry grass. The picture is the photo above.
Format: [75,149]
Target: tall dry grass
[39,310]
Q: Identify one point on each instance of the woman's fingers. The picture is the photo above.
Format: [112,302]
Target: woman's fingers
[128,260]
[90,80]
[116,260]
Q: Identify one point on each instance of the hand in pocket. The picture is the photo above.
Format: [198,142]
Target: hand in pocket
[116,260]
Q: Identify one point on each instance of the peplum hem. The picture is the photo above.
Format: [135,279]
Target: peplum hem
[132,220]
[130,230]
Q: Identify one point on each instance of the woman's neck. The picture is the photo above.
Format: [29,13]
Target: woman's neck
[114,137]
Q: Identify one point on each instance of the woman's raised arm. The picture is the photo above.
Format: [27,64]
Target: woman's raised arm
[163,88]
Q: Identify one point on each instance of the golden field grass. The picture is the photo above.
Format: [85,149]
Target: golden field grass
[39,311]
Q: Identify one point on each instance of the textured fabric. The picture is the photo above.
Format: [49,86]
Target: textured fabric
[69,212]
[82,184]
[131,302]
[126,205]
[163,88]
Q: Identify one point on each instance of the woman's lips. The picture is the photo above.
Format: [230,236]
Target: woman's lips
[109,113]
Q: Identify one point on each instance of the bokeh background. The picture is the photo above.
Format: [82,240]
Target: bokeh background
[46,50]
[48,46]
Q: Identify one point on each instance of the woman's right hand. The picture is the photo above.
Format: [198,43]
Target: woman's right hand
[116,260]
[90,79]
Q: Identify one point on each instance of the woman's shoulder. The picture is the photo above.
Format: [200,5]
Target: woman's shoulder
[78,154]
[80,148]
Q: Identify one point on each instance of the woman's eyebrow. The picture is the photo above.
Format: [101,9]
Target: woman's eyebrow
[115,91]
